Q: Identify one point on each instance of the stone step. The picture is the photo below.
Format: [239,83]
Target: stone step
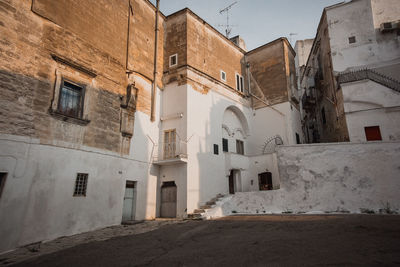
[195,216]
[210,203]
[199,211]
[205,207]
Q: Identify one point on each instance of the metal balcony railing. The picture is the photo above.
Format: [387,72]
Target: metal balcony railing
[363,74]
[169,151]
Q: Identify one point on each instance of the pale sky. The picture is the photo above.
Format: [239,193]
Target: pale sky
[258,21]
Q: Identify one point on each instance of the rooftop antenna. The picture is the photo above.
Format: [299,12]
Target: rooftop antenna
[291,35]
[228,26]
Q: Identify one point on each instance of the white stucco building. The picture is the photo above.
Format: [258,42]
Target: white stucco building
[353,71]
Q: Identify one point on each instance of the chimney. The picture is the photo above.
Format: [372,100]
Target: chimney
[238,41]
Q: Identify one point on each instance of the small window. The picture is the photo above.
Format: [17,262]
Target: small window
[373,133]
[298,138]
[3,176]
[70,101]
[239,83]
[225,146]
[81,185]
[352,40]
[387,25]
[173,60]
[323,116]
[216,149]
[223,75]
[239,147]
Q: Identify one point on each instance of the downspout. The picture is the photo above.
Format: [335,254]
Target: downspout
[248,80]
[130,12]
[154,85]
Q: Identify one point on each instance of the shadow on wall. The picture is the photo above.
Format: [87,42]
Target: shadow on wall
[212,173]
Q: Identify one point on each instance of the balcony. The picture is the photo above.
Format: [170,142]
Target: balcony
[170,153]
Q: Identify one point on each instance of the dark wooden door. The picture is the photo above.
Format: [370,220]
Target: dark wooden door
[168,200]
[231,183]
[265,181]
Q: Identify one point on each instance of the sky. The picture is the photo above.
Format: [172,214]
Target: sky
[258,21]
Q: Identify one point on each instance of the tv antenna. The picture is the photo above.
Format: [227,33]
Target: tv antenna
[228,28]
[291,37]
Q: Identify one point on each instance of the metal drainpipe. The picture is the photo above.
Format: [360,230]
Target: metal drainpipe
[154,85]
[130,12]
[248,80]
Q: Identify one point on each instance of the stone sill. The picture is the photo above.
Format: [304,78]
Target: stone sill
[60,116]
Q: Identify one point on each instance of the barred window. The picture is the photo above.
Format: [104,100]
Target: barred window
[81,184]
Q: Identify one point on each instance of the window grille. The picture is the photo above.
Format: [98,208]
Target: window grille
[81,184]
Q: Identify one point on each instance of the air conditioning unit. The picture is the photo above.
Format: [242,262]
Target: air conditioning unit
[390,26]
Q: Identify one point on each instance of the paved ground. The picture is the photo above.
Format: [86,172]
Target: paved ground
[33,251]
[308,240]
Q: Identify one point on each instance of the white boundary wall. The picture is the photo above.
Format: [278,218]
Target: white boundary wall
[341,177]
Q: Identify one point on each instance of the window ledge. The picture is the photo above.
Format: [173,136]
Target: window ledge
[58,115]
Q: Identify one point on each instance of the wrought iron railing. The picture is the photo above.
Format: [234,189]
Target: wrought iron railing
[271,143]
[170,150]
[363,74]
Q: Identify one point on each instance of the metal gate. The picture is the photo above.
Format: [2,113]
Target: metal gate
[168,200]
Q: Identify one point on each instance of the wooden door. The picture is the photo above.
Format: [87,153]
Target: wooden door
[168,200]
[231,183]
[169,144]
[265,181]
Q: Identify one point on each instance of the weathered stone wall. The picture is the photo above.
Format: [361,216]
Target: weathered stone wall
[268,68]
[210,52]
[175,42]
[93,37]
[328,178]
[202,48]
[291,79]
[328,96]
[335,129]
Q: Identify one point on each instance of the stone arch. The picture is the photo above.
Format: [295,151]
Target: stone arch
[243,121]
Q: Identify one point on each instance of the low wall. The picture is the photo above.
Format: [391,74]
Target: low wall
[341,177]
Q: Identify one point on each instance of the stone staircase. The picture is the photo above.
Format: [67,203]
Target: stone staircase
[198,213]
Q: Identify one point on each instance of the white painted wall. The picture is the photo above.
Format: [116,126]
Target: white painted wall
[282,119]
[341,177]
[366,104]
[362,20]
[37,202]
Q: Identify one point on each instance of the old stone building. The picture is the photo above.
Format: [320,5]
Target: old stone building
[351,78]
[112,111]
